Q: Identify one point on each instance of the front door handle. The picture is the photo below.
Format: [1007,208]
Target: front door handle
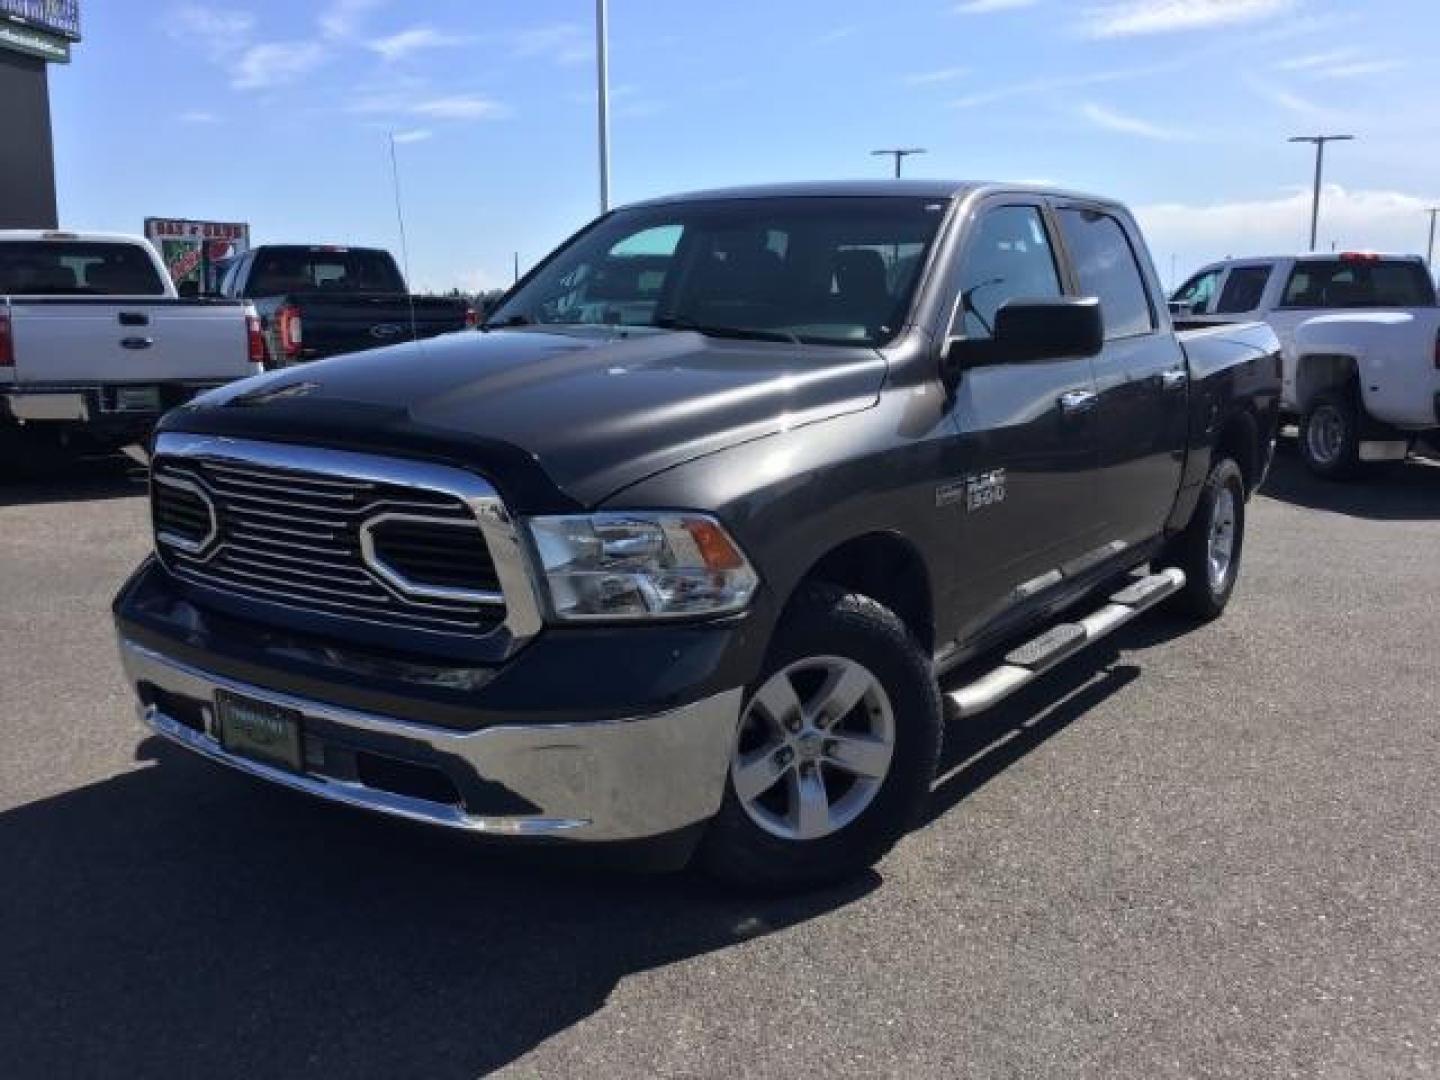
[1074,402]
[1174,379]
[136,342]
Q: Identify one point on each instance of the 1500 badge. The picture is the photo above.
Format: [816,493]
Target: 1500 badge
[977,492]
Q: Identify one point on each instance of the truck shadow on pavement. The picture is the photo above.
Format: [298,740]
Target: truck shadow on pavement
[112,477]
[980,748]
[1408,491]
[180,921]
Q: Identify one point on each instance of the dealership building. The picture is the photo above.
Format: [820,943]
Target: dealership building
[33,35]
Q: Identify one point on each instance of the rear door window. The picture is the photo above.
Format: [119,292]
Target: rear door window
[62,268]
[1243,289]
[1107,268]
[1359,282]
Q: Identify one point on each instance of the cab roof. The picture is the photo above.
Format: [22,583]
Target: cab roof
[920,189]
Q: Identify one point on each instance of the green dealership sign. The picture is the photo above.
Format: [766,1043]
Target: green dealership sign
[34,42]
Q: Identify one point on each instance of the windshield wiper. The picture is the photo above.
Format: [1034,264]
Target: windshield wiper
[754,333]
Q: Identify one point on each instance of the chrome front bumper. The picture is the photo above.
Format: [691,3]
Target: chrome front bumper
[604,780]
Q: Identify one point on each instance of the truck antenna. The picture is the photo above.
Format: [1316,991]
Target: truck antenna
[404,247]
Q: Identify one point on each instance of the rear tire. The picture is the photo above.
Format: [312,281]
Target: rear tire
[837,746]
[1330,436]
[1209,549]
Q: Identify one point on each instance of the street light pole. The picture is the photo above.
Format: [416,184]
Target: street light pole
[603,72]
[1430,249]
[899,154]
[1319,141]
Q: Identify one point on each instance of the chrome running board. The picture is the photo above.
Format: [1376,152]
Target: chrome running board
[1037,656]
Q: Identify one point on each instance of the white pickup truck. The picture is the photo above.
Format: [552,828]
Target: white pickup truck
[1360,335]
[95,343]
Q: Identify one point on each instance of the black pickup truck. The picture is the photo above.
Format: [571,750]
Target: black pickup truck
[322,300]
[696,541]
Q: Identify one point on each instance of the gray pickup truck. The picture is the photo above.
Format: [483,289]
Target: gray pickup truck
[692,544]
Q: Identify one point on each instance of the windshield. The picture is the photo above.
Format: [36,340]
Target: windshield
[286,270]
[1364,282]
[79,268]
[827,270]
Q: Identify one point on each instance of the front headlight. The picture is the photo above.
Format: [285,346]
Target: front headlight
[640,565]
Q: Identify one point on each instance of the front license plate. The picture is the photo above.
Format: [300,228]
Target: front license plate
[259,731]
[137,399]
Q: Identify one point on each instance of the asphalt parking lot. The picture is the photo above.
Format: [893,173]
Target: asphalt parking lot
[1209,852]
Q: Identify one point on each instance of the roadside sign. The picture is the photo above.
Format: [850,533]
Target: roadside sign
[190,249]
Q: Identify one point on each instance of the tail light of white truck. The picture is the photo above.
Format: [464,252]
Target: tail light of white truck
[7,341]
[288,318]
[254,336]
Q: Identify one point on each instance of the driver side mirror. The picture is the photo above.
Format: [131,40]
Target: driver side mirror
[1028,331]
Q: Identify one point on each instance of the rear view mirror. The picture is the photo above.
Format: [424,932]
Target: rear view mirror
[1027,331]
[190,290]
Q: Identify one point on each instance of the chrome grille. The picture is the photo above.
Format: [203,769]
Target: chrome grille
[293,536]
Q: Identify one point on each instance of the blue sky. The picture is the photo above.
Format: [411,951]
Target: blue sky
[278,113]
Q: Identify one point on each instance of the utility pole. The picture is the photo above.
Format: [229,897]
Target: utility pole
[517,269]
[899,154]
[1319,141]
[1430,249]
[602,69]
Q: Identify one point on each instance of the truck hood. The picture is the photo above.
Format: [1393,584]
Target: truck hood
[593,410]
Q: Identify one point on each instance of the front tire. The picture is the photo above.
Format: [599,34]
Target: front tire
[1330,436]
[1209,549]
[837,746]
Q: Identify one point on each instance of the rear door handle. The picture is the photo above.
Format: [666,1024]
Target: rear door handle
[1174,379]
[1074,402]
[136,342]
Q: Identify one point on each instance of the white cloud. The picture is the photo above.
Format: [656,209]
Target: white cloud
[1361,68]
[342,18]
[1316,60]
[275,62]
[1110,120]
[1062,82]
[930,78]
[1295,103]
[840,33]
[561,43]
[198,116]
[414,135]
[985,7]
[1124,18]
[398,46]
[217,33]
[460,107]
[1360,220]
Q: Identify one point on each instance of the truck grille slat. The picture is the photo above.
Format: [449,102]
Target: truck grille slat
[293,537]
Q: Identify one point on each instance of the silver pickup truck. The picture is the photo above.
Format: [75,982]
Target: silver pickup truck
[95,343]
